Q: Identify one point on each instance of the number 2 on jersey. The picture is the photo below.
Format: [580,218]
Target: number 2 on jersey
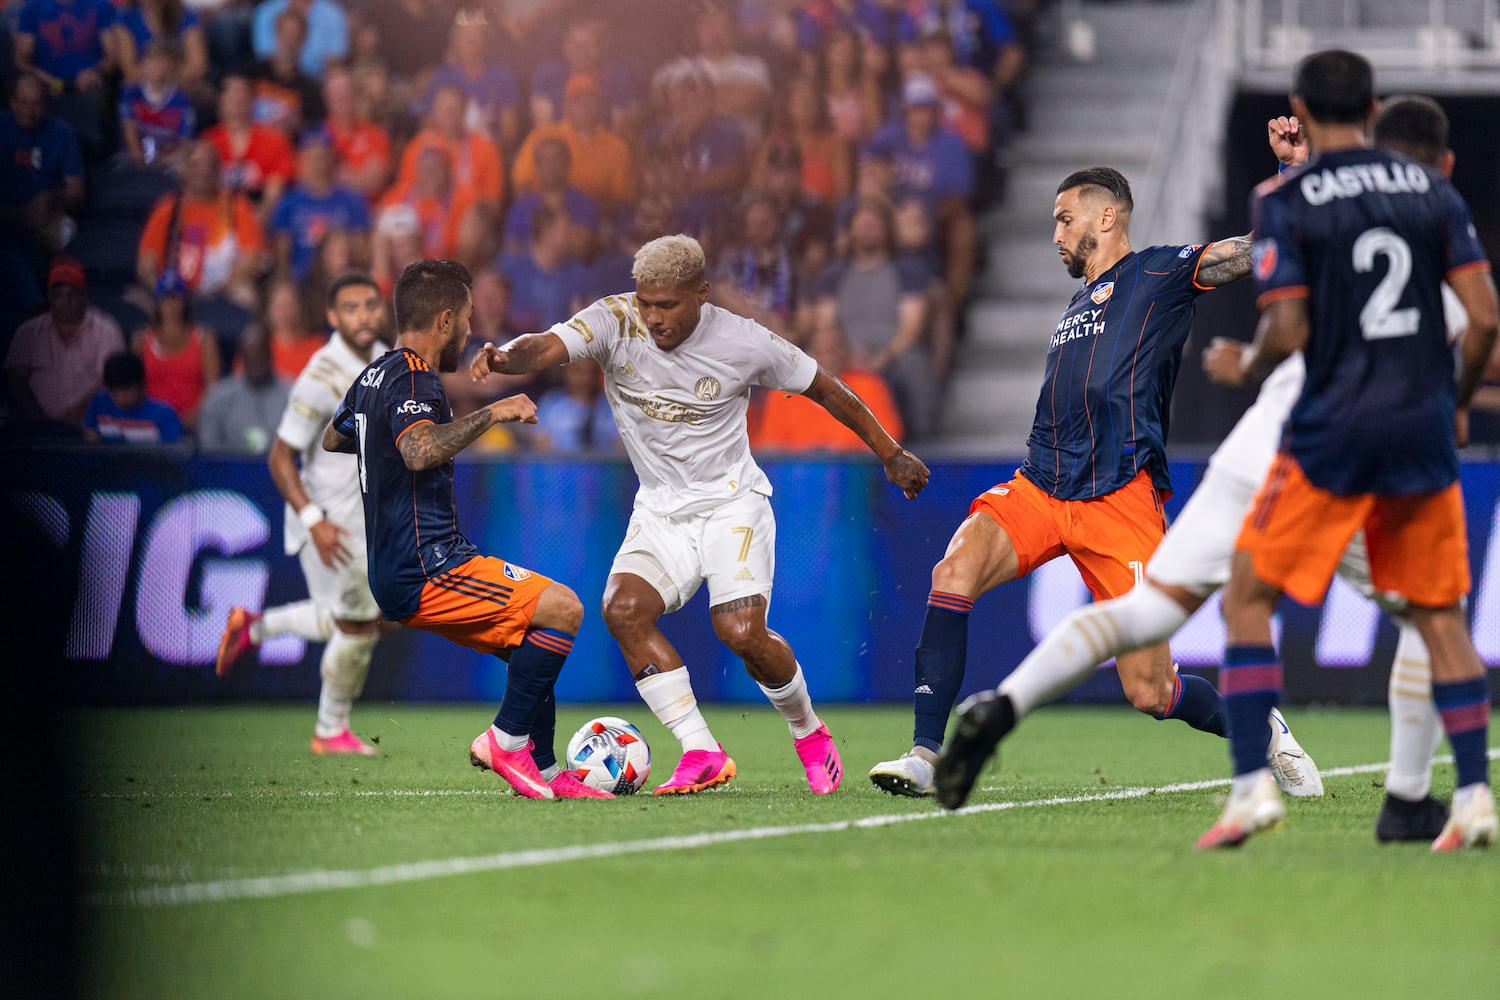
[1380,319]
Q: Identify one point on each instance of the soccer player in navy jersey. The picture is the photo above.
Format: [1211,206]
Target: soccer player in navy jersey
[1096,469]
[1351,253]
[423,572]
[1193,560]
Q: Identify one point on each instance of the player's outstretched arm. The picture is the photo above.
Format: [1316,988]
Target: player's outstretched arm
[428,445]
[1282,331]
[902,468]
[1476,292]
[527,353]
[1224,262]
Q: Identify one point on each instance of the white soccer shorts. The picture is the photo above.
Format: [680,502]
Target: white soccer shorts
[732,546]
[343,591]
[1198,548]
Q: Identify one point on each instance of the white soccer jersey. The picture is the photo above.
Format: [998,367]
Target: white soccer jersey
[1246,453]
[330,478]
[681,413]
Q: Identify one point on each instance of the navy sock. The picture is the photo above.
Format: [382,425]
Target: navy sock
[1465,709]
[1196,702]
[544,733]
[940,665]
[534,666]
[1250,686]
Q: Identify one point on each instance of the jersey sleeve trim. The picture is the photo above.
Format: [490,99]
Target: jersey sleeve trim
[1277,294]
[409,428]
[1480,266]
[1198,264]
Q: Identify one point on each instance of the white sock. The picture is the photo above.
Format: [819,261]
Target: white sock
[669,695]
[302,618]
[345,664]
[509,742]
[795,706]
[548,773]
[1243,784]
[1087,638]
[1416,728]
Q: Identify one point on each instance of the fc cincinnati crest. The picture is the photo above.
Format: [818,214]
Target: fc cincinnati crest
[1263,256]
[517,573]
[1103,292]
[707,388]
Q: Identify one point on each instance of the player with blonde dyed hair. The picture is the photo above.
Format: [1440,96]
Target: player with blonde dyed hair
[678,373]
[669,260]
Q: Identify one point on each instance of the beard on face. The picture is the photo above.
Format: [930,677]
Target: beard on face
[452,351]
[1078,260]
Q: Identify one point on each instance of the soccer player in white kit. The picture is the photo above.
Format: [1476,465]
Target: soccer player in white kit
[325,520]
[1193,559]
[678,373]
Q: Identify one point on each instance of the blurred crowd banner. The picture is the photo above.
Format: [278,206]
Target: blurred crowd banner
[151,549]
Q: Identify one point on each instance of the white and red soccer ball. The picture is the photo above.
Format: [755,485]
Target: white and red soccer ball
[611,754]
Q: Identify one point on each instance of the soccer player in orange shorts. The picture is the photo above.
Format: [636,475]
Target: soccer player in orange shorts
[1351,252]
[1096,469]
[423,572]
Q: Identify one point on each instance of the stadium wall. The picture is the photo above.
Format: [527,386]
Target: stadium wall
[152,549]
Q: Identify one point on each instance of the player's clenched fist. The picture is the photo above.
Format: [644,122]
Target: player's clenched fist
[514,409]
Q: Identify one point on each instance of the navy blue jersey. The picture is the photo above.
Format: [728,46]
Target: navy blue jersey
[411,521]
[1111,365]
[1367,237]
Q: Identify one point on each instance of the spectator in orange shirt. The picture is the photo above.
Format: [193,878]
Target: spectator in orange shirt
[363,148]
[475,160]
[802,121]
[256,160]
[206,234]
[965,91]
[602,166]
[293,341]
[789,422]
[447,222]
[181,358]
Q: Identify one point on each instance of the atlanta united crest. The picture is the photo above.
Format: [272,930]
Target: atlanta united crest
[707,388]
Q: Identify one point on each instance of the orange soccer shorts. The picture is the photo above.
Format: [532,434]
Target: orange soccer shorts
[1296,534]
[1109,538]
[485,604]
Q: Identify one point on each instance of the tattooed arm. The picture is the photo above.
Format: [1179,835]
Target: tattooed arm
[902,468]
[527,353]
[428,445]
[1224,262]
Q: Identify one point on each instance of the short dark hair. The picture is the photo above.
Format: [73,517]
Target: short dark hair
[426,288]
[124,370]
[1337,86]
[1414,126]
[1106,179]
[349,279]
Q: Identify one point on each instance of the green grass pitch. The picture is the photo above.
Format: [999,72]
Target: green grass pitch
[223,860]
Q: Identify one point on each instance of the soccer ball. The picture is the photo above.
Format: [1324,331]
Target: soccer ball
[611,754]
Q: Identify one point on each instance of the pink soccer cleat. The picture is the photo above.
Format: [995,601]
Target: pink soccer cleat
[344,743]
[567,786]
[235,641]
[515,766]
[698,769]
[820,758]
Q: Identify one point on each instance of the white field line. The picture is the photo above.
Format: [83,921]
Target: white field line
[297,883]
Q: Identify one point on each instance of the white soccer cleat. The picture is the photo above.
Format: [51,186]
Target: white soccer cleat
[1472,821]
[1294,770]
[909,774]
[1261,808]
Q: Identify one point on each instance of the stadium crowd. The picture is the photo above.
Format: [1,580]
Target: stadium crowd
[180,181]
